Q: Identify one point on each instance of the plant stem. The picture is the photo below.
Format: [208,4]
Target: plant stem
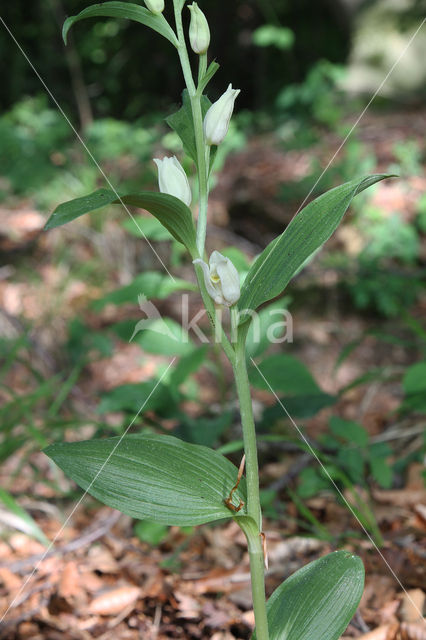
[197,117]
[253,523]
[255,548]
[249,434]
[253,499]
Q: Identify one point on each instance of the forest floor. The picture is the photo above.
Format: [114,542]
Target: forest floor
[98,579]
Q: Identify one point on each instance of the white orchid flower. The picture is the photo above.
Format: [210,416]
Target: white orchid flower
[199,32]
[155,6]
[173,180]
[216,121]
[221,279]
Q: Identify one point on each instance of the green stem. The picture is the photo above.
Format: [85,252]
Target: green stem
[197,116]
[253,523]
[253,499]
[202,66]
[255,549]
[249,434]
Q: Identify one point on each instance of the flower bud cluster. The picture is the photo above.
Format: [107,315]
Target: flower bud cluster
[221,278]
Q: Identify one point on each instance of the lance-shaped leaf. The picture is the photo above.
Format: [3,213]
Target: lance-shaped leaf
[183,124]
[127,10]
[173,214]
[318,601]
[283,257]
[153,476]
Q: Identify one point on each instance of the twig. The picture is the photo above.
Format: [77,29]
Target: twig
[398,431]
[360,622]
[29,614]
[156,623]
[86,538]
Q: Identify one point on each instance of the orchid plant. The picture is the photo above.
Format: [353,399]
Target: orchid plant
[159,476]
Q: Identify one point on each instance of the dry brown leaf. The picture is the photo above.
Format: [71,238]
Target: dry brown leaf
[400,497]
[248,618]
[11,582]
[24,546]
[385,632]
[420,511]
[214,616]
[220,580]
[5,551]
[101,559]
[188,606]
[113,601]
[412,605]
[18,227]
[415,476]
[91,581]
[413,631]
[69,583]
[388,611]
[155,587]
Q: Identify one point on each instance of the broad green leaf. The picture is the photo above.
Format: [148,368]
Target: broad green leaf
[151,228]
[126,10]
[173,214]
[282,258]
[68,211]
[310,482]
[380,467]
[349,430]
[351,461]
[162,336]
[299,406]
[381,471]
[204,431]
[150,284]
[153,476]
[153,396]
[271,35]
[151,532]
[20,519]
[183,124]
[268,326]
[414,380]
[285,374]
[318,601]
[188,364]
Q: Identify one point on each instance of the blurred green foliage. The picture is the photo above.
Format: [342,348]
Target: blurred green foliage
[125,71]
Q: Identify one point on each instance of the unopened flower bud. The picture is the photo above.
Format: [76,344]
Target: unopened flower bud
[155,6]
[172,179]
[216,121]
[221,279]
[199,32]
